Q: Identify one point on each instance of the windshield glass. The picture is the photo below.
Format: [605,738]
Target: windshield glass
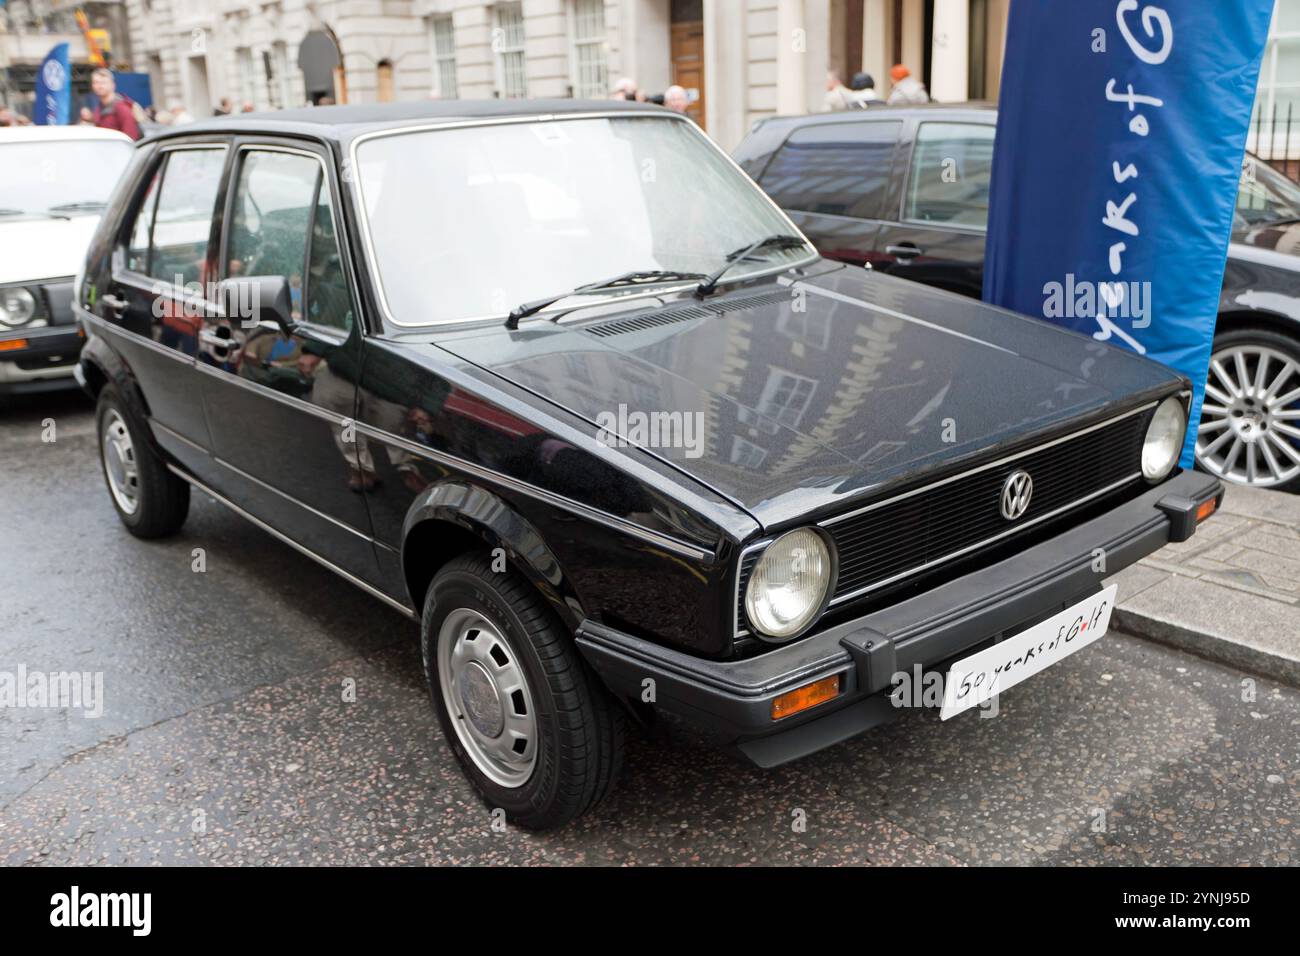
[1266,197]
[469,223]
[59,175]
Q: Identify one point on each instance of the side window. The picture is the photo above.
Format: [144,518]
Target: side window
[137,253]
[183,219]
[328,301]
[838,169]
[281,225]
[951,166]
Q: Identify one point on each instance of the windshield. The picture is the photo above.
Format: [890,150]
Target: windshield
[468,223]
[1266,197]
[63,176]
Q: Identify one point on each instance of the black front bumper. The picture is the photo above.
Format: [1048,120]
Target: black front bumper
[731,701]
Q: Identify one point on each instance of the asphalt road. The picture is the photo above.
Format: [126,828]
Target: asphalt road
[226,738]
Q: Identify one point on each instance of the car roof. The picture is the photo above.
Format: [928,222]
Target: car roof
[30,134]
[981,108]
[342,123]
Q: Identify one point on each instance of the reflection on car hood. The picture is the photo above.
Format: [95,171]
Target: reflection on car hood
[44,248]
[814,394]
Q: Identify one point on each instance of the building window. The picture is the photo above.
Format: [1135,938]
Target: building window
[244,69]
[276,63]
[508,42]
[1276,125]
[591,70]
[442,41]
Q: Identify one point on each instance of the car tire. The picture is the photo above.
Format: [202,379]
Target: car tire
[502,669]
[150,500]
[1233,431]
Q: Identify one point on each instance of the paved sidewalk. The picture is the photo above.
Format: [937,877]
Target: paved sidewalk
[1231,593]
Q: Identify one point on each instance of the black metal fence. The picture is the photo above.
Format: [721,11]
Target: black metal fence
[1271,138]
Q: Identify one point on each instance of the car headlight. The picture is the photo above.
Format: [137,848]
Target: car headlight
[1164,439]
[788,586]
[17,306]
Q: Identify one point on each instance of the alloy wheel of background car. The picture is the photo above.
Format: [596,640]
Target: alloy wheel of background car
[120,468]
[486,691]
[1250,421]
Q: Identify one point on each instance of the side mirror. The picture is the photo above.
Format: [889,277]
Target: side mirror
[258,300]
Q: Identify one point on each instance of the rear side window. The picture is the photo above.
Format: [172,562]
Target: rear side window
[837,169]
[137,254]
[182,221]
[949,182]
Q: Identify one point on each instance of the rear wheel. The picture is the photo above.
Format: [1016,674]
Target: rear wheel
[533,728]
[150,500]
[1250,421]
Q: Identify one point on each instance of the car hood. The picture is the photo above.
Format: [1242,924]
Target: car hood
[41,248]
[797,399]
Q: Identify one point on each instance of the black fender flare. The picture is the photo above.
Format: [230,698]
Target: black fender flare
[99,360]
[493,521]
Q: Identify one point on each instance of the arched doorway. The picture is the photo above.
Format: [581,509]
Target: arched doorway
[321,65]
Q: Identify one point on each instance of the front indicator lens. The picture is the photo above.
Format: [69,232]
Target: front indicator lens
[17,306]
[1164,439]
[806,697]
[788,586]
[12,345]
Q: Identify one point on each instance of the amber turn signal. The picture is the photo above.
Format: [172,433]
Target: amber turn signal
[809,695]
[1206,509]
[13,345]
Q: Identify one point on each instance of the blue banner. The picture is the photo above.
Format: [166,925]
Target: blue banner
[53,89]
[1121,133]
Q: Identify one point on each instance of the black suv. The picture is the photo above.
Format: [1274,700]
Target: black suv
[555,380]
[869,187]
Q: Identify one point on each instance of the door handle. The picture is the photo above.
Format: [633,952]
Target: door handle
[904,250]
[115,306]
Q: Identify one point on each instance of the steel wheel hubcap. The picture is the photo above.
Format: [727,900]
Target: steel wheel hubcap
[120,466]
[487,695]
[1250,422]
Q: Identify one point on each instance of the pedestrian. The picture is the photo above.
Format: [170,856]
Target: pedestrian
[625,89]
[248,107]
[113,111]
[225,107]
[180,115]
[864,90]
[677,99]
[838,96]
[908,90]
[85,117]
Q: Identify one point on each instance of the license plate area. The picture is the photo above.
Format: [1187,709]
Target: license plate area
[980,676]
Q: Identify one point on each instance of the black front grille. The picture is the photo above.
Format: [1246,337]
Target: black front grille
[947,519]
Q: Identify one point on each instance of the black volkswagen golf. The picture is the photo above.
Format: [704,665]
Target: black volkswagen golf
[557,381]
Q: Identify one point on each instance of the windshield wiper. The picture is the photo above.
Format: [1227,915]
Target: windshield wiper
[11,212]
[778,241]
[86,204]
[643,277]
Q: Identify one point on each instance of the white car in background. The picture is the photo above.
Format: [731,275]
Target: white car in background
[54,184]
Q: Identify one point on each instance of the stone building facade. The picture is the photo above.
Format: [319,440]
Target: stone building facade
[740,60]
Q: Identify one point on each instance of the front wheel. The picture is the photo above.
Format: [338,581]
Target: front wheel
[1250,421]
[532,727]
[150,500]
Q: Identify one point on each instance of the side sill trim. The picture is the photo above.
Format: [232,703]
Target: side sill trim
[323,562]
